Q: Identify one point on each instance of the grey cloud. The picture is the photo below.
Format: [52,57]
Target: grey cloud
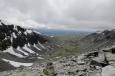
[79,14]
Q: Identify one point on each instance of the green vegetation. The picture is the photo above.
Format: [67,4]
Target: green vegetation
[45,71]
[68,47]
[4,66]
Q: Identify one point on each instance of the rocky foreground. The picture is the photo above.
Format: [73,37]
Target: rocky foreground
[95,63]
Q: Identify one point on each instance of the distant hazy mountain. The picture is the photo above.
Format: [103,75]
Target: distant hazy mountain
[61,31]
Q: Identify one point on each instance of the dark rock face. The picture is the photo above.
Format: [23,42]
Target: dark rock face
[94,54]
[21,37]
[113,50]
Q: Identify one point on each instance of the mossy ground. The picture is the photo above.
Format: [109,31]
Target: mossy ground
[4,66]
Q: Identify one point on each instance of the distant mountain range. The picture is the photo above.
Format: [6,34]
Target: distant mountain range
[62,31]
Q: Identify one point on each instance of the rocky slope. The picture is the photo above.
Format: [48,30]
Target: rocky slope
[97,40]
[20,46]
[93,63]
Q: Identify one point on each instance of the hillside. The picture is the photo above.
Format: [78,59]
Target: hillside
[20,46]
[97,40]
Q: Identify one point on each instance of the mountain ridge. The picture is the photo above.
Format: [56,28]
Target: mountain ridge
[22,45]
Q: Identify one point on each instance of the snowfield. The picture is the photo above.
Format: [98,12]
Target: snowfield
[5,22]
[40,58]
[11,51]
[17,64]
[29,50]
[18,48]
[36,47]
[29,31]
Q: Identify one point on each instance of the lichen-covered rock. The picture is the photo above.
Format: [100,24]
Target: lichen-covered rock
[49,69]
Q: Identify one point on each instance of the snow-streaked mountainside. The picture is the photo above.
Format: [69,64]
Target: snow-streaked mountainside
[20,45]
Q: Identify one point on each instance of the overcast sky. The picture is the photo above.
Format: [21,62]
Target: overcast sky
[77,14]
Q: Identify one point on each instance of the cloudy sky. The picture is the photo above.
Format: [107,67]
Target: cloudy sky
[77,14]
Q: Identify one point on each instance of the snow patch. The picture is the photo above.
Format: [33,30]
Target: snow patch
[0,23]
[6,23]
[36,47]
[58,57]
[5,38]
[15,28]
[11,51]
[40,58]
[14,35]
[29,44]
[22,51]
[37,32]
[11,39]
[17,64]
[27,49]
[29,31]
[25,33]
[51,36]
[19,32]
[37,54]
[41,45]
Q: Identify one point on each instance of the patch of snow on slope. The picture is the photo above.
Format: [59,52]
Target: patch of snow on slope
[99,31]
[5,38]
[11,51]
[15,28]
[6,23]
[57,57]
[14,35]
[37,32]
[41,45]
[11,39]
[29,31]
[51,36]
[27,49]
[22,51]
[29,44]
[108,71]
[0,23]
[36,47]
[40,58]
[25,33]
[17,64]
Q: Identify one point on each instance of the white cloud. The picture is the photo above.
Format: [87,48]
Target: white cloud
[81,14]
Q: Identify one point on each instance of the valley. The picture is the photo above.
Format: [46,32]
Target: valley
[26,52]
